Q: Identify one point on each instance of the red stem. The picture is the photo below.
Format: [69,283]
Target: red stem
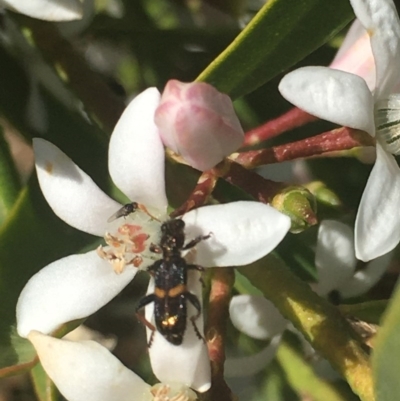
[292,119]
[335,140]
[258,187]
[200,195]
[218,313]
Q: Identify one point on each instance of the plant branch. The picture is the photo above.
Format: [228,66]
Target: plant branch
[218,313]
[336,140]
[291,119]
[320,322]
[199,196]
[252,183]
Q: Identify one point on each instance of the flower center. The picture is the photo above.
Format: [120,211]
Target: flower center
[128,239]
[172,392]
[387,120]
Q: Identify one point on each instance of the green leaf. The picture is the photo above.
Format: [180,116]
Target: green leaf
[275,386]
[16,357]
[243,285]
[370,312]
[302,377]
[44,388]
[295,251]
[386,355]
[282,33]
[9,181]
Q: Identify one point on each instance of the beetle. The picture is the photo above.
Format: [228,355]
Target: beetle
[170,294]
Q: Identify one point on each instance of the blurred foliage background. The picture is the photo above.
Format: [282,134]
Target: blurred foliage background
[69,82]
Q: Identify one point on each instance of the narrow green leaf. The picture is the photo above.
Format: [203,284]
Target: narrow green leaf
[370,311]
[16,357]
[302,377]
[9,181]
[386,355]
[275,386]
[44,388]
[281,34]
[243,285]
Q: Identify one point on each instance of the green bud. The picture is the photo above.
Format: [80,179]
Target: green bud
[323,194]
[299,204]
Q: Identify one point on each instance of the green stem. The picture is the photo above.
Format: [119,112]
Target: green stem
[10,184]
[320,322]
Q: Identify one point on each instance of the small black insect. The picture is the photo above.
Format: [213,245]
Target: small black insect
[125,210]
[129,208]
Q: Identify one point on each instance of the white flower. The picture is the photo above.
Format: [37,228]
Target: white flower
[336,263]
[345,99]
[76,286]
[260,319]
[87,371]
[50,10]
[355,55]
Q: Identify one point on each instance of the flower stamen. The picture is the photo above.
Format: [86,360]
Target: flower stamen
[166,392]
[129,243]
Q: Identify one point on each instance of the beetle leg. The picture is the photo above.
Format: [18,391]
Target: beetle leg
[155,248]
[195,267]
[195,241]
[144,209]
[148,299]
[196,303]
[199,269]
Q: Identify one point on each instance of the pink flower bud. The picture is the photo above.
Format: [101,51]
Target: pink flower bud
[198,122]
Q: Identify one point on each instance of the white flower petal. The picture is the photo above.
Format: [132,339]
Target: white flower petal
[50,10]
[324,369]
[86,371]
[67,289]
[355,55]
[83,333]
[355,32]
[377,228]
[365,279]
[332,95]
[136,153]
[251,365]
[70,192]
[334,258]
[256,316]
[187,363]
[382,23]
[241,232]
